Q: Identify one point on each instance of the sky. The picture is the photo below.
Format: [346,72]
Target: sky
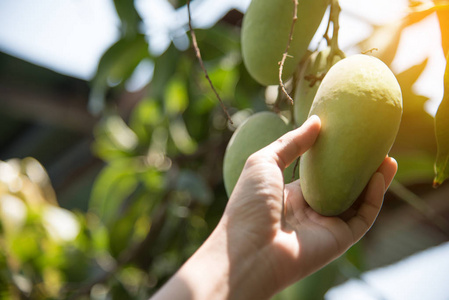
[69,36]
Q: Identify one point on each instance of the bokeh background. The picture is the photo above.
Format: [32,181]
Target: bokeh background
[112,142]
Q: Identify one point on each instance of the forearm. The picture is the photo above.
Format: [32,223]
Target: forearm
[219,270]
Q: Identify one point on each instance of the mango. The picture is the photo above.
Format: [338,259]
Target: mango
[309,79]
[265,32]
[359,103]
[253,134]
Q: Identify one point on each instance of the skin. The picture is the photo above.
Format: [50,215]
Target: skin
[257,131]
[269,237]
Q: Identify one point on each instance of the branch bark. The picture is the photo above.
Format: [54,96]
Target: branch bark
[198,55]
[284,56]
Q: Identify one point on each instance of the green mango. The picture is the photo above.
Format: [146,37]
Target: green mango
[265,31]
[359,103]
[309,79]
[253,134]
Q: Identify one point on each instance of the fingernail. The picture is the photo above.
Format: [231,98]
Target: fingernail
[312,118]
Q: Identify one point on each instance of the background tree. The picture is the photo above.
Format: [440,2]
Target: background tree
[134,180]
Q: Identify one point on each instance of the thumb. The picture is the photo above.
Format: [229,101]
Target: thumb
[294,143]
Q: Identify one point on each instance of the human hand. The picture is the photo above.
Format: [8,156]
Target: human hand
[268,220]
[269,237]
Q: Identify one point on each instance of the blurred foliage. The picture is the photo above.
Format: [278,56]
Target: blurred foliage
[160,192]
[442,132]
[43,246]
[442,9]
[116,65]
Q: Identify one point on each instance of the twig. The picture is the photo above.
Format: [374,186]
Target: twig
[326,32]
[313,79]
[334,17]
[417,203]
[333,42]
[284,56]
[370,51]
[198,55]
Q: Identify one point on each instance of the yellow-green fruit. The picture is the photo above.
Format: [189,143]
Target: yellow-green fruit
[359,103]
[310,76]
[256,132]
[265,32]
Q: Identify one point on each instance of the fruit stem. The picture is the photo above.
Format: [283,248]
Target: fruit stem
[284,56]
[333,42]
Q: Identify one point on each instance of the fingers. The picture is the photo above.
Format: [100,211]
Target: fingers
[294,143]
[361,217]
[370,207]
[388,168]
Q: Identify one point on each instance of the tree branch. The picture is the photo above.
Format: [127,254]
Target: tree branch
[284,56]
[198,55]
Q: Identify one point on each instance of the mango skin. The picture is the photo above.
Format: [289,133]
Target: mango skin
[315,65]
[258,131]
[359,103]
[265,31]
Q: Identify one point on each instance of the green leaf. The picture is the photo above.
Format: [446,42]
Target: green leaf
[129,17]
[217,42]
[409,77]
[176,98]
[165,67]
[114,139]
[442,133]
[113,185]
[425,8]
[416,132]
[144,118]
[115,66]
[181,137]
[384,41]
[195,185]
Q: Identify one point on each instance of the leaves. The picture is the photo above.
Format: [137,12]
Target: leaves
[114,184]
[442,133]
[423,9]
[384,40]
[415,145]
[442,9]
[443,17]
[129,17]
[116,65]
[416,130]
[114,139]
[162,160]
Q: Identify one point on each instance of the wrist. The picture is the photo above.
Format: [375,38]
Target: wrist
[245,265]
[228,268]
